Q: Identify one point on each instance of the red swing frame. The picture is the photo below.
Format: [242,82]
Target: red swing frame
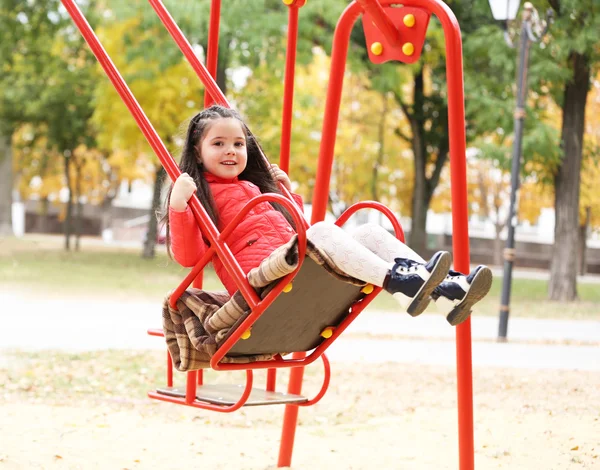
[385,25]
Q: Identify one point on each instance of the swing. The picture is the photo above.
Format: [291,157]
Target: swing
[309,318]
[308,308]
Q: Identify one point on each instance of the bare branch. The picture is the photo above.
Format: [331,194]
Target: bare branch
[403,105]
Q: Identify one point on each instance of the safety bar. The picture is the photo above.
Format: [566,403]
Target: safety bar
[357,307]
[242,283]
[342,219]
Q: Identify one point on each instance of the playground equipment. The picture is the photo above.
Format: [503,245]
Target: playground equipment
[392,33]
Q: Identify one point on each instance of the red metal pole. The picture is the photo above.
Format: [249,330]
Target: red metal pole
[458,183]
[169,370]
[339,54]
[212,54]
[190,387]
[460,222]
[271,379]
[159,148]
[288,89]
[121,87]
[211,86]
[338,64]
[198,67]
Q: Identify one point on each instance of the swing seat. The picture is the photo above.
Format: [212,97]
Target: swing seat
[305,315]
[295,321]
[230,394]
[210,329]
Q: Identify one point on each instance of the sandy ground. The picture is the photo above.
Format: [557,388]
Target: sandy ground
[391,416]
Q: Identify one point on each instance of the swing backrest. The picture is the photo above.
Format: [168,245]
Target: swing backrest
[295,320]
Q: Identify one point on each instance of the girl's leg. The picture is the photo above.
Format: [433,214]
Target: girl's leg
[348,254]
[410,281]
[383,244]
[455,296]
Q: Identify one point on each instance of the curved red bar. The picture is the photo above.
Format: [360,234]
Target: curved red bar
[324,387]
[342,219]
[209,406]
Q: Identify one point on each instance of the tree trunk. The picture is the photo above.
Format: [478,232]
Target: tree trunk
[78,205]
[69,212]
[583,234]
[563,267]
[6,185]
[418,233]
[380,151]
[107,214]
[150,243]
[498,246]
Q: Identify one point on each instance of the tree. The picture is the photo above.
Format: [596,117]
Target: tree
[589,208]
[574,50]
[26,32]
[66,107]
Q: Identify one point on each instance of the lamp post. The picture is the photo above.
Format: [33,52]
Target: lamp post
[506,10]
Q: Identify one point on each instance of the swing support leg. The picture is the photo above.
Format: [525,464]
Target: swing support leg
[456,119]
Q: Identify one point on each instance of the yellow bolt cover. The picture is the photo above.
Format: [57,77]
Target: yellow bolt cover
[327,332]
[367,289]
[408,48]
[377,48]
[409,20]
[288,288]
[246,334]
[288,2]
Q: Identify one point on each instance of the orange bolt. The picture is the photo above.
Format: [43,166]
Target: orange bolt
[327,332]
[246,334]
[408,48]
[367,289]
[409,20]
[377,48]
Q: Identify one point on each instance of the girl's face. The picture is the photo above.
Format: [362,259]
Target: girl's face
[223,148]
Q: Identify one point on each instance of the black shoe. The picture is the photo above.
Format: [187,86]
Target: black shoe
[463,292]
[411,283]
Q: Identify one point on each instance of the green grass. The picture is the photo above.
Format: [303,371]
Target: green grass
[29,263]
[104,272]
[62,376]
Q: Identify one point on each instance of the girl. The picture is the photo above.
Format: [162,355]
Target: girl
[223,165]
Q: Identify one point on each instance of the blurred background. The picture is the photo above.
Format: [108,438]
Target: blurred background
[74,165]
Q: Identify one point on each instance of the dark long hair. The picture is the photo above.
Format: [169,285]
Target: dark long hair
[256,171]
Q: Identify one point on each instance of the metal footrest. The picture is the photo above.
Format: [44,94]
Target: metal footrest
[229,394]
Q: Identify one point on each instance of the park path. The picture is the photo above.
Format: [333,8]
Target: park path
[34,323]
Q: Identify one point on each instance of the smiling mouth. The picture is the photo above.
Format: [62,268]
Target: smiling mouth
[229,163]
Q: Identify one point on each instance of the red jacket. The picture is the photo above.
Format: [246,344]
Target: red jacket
[262,230]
